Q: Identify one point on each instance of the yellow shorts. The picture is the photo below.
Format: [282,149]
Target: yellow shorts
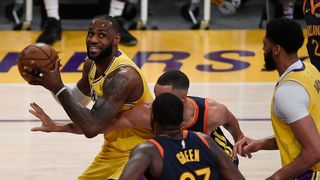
[114,155]
[102,169]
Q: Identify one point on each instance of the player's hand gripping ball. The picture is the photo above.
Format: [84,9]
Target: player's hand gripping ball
[35,56]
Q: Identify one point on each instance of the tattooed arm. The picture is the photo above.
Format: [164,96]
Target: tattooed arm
[117,89]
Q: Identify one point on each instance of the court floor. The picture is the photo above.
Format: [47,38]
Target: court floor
[37,156]
[222,65]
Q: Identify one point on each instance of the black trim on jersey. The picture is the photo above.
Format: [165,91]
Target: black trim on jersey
[217,134]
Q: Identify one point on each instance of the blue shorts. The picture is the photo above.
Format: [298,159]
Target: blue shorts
[309,175]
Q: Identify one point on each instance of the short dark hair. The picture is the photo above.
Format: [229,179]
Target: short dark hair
[285,32]
[174,78]
[114,22]
[167,109]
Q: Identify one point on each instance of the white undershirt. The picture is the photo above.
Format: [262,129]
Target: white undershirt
[291,100]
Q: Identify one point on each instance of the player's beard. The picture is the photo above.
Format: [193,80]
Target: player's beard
[270,63]
[105,54]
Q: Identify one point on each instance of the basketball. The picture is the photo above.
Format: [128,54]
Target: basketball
[37,55]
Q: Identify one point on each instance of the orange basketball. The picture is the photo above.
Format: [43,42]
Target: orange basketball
[37,55]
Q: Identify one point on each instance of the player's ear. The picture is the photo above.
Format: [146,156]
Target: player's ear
[116,39]
[276,50]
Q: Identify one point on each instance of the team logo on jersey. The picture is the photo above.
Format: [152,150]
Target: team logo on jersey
[183,144]
[307,10]
[94,95]
[317,85]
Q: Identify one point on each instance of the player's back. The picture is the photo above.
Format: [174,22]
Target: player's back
[189,158]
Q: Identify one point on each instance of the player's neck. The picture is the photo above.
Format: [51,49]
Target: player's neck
[175,133]
[285,62]
[103,64]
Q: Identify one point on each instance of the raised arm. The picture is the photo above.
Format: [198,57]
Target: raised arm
[138,116]
[219,115]
[226,168]
[48,125]
[81,92]
[117,89]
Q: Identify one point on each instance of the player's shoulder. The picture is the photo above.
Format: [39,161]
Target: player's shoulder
[203,135]
[127,71]
[206,140]
[146,148]
[213,102]
[216,106]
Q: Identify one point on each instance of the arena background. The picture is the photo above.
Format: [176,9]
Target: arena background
[224,63]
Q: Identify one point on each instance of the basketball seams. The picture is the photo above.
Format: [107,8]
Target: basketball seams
[32,53]
[51,54]
[48,56]
[51,62]
[44,52]
[37,55]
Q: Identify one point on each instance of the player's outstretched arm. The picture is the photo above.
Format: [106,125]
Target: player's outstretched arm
[246,146]
[226,168]
[219,115]
[117,90]
[48,125]
[138,116]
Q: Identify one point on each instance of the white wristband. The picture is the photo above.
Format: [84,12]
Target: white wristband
[60,91]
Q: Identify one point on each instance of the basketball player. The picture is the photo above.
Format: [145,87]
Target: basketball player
[311,12]
[200,114]
[175,154]
[115,84]
[295,106]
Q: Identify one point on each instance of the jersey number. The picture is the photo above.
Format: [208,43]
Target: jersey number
[316,52]
[200,172]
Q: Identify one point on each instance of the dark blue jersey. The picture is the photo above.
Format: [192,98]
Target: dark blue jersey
[311,10]
[189,158]
[199,124]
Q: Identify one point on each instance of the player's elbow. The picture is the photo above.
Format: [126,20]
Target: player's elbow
[91,133]
[313,153]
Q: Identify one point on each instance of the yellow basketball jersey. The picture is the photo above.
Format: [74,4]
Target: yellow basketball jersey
[288,145]
[119,143]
